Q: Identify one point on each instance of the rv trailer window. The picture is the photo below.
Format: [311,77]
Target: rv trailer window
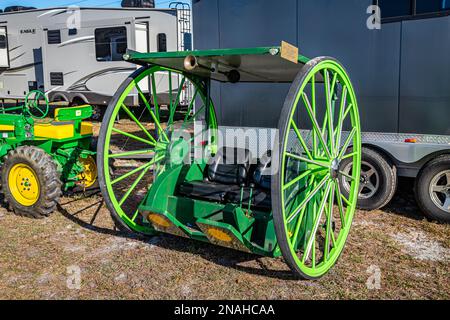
[162,42]
[2,41]
[111,43]
[4,57]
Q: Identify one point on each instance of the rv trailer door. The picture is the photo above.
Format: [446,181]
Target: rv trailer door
[4,58]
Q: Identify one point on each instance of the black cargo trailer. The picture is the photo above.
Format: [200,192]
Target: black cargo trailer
[400,66]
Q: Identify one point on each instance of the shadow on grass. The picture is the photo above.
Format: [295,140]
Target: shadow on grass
[404,203]
[215,254]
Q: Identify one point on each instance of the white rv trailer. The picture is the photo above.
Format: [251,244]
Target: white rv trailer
[75,54]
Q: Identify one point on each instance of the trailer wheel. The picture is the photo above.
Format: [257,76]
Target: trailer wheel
[378,180]
[30,182]
[433,189]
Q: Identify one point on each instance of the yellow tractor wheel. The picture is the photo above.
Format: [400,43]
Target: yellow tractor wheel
[24,184]
[30,182]
[89,175]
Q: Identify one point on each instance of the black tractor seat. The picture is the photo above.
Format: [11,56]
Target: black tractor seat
[207,190]
[230,176]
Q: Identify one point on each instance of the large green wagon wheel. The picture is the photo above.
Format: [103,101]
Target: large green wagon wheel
[150,111]
[319,121]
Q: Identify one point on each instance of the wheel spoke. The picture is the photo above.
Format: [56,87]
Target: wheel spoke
[330,114]
[135,215]
[333,84]
[140,125]
[339,202]
[328,227]
[347,202]
[306,200]
[360,188]
[191,105]
[315,124]
[132,136]
[155,118]
[349,155]
[300,158]
[297,226]
[341,118]
[300,138]
[370,186]
[192,119]
[439,189]
[130,153]
[133,186]
[312,237]
[177,101]
[369,173]
[347,175]
[39,109]
[143,167]
[155,96]
[297,179]
[347,143]
[313,101]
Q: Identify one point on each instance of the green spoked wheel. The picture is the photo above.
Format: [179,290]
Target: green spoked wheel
[153,110]
[319,122]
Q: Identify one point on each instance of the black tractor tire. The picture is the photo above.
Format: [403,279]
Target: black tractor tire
[47,175]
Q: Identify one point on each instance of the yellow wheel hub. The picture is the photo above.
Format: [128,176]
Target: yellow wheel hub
[89,174]
[24,184]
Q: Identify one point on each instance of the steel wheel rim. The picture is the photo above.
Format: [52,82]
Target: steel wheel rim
[366,176]
[439,193]
[328,187]
[130,218]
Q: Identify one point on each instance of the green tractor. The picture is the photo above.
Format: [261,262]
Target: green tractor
[165,166]
[40,159]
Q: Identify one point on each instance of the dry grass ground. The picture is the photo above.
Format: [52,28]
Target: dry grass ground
[413,256]
[37,258]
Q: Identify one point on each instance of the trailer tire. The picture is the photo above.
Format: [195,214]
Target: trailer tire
[38,170]
[378,180]
[434,176]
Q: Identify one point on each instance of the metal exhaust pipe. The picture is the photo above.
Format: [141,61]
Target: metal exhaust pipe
[190,63]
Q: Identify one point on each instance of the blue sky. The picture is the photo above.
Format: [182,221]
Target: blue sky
[81,3]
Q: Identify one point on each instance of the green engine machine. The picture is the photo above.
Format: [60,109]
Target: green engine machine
[39,158]
[164,167]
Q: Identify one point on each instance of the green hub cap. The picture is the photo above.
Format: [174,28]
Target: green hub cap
[137,138]
[318,126]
